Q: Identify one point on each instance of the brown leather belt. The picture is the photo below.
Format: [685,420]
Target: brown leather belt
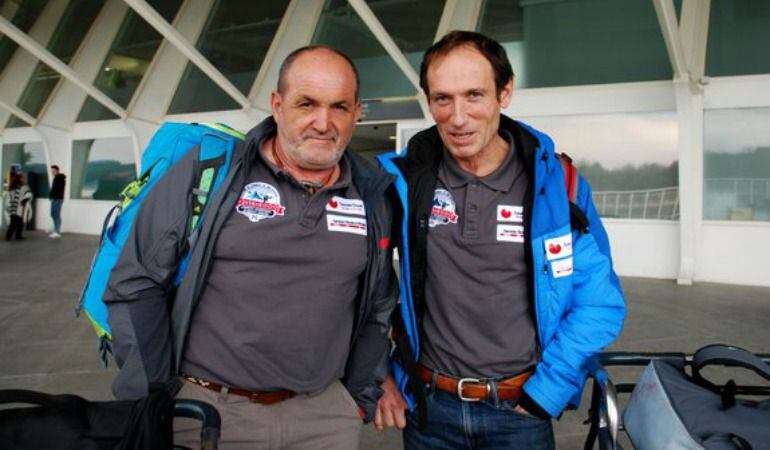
[263,397]
[474,389]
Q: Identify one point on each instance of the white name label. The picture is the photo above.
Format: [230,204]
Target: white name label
[562,267]
[346,206]
[559,247]
[510,233]
[346,224]
[510,213]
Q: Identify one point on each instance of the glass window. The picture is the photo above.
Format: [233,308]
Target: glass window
[31,157]
[631,160]
[562,43]
[736,31]
[101,168]
[736,164]
[128,60]
[412,24]
[23,15]
[72,28]
[235,40]
[372,140]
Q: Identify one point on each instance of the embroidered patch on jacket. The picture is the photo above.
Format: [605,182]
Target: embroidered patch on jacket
[260,201]
[346,224]
[443,211]
[562,267]
[558,247]
[510,213]
[510,233]
[346,206]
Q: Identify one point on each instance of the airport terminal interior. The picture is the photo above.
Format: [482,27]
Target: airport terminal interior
[664,106]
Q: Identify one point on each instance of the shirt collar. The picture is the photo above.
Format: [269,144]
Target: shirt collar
[501,179]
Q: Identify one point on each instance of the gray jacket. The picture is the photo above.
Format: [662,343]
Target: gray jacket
[150,319]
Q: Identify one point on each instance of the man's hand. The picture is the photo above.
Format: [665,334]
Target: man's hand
[521,410]
[390,407]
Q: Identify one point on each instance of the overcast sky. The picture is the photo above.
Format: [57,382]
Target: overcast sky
[614,140]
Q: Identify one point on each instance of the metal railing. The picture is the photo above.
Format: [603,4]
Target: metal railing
[661,203]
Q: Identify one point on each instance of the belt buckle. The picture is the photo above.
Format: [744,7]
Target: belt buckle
[462,381]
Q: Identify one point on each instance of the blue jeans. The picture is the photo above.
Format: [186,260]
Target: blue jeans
[456,424]
[56,214]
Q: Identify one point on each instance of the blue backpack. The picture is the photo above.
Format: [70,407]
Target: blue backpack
[171,142]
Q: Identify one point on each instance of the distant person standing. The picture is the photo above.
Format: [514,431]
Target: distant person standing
[19,198]
[57,198]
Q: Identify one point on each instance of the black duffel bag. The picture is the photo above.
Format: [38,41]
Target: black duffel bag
[72,422]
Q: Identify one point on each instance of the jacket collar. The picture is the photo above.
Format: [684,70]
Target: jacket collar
[424,151]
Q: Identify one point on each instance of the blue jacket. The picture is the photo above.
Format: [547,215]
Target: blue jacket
[577,314]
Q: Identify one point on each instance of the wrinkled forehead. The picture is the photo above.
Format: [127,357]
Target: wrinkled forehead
[462,67]
[321,74]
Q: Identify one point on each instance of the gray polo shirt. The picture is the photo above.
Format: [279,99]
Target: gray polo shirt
[277,310]
[477,320]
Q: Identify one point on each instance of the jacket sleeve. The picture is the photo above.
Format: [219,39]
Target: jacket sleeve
[592,319]
[140,285]
[369,362]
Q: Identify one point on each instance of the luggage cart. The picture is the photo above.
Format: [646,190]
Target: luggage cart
[605,418]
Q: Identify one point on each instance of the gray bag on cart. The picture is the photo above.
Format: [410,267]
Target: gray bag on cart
[670,409]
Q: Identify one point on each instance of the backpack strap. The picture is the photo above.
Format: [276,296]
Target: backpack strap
[570,176]
[215,154]
[577,217]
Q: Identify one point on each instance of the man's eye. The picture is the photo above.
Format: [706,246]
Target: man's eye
[342,108]
[441,99]
[474,95]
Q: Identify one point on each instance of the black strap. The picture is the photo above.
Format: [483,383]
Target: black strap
[71,402]
[593,417]
[730,356]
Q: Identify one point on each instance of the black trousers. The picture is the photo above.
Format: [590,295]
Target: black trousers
[15,227]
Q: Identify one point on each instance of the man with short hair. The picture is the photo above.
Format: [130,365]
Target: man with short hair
[507,288]
[56,196]
[281,320]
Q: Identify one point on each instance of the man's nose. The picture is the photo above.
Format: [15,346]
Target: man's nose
[459,116]
[321,122]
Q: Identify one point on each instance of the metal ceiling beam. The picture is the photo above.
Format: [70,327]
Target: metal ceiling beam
[41,53]
[18,112]
[188,49]
[384,38]
[669,25]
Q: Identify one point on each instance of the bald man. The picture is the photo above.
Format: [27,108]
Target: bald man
[281,321]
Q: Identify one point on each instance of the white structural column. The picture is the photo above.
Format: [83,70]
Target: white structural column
[188,49]
[18,112]
[156,91]
[21,66]
[686,44]
[55,63]
[296,30]
[67,98]
[384,38]
[459,15]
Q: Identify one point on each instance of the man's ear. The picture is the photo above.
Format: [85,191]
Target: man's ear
[358,111]
[275,103]
[506,94]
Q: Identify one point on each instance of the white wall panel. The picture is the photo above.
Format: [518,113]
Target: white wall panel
[644,248]
[735,253]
